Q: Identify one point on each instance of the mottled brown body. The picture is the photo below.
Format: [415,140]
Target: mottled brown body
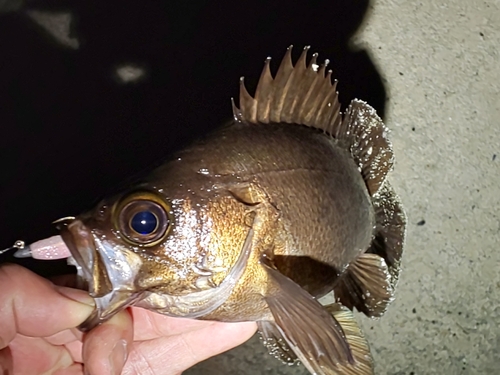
[319,206]
[256,221]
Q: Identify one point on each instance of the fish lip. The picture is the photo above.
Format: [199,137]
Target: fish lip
[100,264]
[80,242]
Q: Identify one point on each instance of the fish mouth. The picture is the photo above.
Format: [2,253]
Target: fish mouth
[78,239]
[105,270]
[110,271]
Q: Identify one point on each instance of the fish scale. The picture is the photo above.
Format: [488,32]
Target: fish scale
[256,221]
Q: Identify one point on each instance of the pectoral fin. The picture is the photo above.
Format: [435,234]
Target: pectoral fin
[363,362]
[366,285]
[315,337]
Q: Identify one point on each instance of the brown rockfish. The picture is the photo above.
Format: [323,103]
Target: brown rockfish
[255,222]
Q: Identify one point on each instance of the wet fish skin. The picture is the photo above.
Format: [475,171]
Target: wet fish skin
[299,173]
[287,202]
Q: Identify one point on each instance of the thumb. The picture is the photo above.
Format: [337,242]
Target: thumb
[32,306]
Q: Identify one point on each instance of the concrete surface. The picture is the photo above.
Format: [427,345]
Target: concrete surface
[440,61]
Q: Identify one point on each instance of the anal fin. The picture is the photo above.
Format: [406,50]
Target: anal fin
[366,285]
[363,362]
[315,337]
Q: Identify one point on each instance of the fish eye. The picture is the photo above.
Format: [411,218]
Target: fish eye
[144,222]
[143,219]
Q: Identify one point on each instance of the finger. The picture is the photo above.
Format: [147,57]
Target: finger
[105,348]
[33,306]
[172,355]
[74,348]
[71,339]
[149,325]
[33,355]
[65,337]
[5,361]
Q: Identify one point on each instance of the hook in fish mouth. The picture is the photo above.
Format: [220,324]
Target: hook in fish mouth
[63,220]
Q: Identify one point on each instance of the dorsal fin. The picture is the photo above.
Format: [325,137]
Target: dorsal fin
[366,137]
[301,94]
[304,94]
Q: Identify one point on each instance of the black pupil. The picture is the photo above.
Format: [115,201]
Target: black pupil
[144,222]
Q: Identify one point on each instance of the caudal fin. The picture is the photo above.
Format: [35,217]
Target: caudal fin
[390,230]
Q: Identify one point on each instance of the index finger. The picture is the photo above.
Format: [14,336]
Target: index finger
[32,306]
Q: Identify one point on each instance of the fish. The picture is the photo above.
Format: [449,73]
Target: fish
[258,220]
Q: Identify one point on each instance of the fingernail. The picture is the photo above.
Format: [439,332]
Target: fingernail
[118,357]
[76,295]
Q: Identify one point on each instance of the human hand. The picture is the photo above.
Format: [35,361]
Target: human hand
[38,334]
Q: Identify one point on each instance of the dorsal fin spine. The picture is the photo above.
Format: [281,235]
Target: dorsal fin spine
[304,94]
[281,82]
[264,91]
[247,103]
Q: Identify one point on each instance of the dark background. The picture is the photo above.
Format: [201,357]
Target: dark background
[70,131]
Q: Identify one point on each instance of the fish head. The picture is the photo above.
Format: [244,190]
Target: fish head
[177,252]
